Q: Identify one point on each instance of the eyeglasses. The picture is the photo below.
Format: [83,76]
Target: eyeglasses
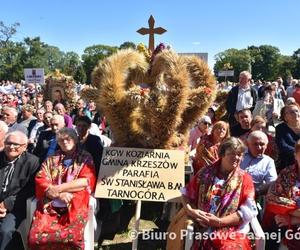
[206,123]
[62,139]
[13,144]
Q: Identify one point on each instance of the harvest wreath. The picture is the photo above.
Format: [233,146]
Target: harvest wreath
[151,102]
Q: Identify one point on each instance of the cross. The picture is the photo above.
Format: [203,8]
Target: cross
[151,31]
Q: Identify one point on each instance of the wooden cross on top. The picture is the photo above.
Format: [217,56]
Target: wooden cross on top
[151,31]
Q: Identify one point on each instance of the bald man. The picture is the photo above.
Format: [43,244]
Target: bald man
[17,172]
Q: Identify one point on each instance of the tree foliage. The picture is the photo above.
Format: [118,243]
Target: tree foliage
[286,66]
[12,58]
[93,54]
[296,57]
[80,75]
[127,45]
[54,58]
[70,63]
[238,59]
[7,32]
[265,61]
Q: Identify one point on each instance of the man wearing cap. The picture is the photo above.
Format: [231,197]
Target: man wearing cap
[202,128]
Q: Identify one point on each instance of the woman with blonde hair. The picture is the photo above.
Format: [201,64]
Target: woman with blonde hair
[207,148]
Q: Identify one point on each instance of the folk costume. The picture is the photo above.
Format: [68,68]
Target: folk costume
[206,153]
[284,197]
[221,197]
[55,225]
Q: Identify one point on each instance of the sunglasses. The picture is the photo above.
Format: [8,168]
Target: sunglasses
[206,123]
[13,144]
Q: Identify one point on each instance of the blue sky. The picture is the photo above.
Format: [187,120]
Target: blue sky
[192,25]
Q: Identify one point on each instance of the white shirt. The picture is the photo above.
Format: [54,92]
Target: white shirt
[244,100]
[94,130]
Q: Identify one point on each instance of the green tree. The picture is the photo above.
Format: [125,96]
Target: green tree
[296,57]
[36,55]
[265,61]
[92,55]
[127,45]
[80,75]
[71,62]
[11,53]
[54,57]
[286,66]
[12,58]
[239,60]
[7,32]
[256,62]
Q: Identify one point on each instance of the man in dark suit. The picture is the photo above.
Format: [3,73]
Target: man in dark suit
[17,172]
[242,96]
[46,144]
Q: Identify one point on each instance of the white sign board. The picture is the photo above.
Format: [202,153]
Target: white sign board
[140,174]
[35,76]
[226,73]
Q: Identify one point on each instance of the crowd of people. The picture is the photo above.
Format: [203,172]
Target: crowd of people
[245,163]
[233,184]
[53,152]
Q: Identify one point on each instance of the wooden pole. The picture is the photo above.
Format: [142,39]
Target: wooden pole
[137,224]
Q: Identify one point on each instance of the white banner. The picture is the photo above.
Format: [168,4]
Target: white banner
[35,76]
[226,73]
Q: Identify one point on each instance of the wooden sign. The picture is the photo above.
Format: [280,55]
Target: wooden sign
[140,174]
[151,31]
